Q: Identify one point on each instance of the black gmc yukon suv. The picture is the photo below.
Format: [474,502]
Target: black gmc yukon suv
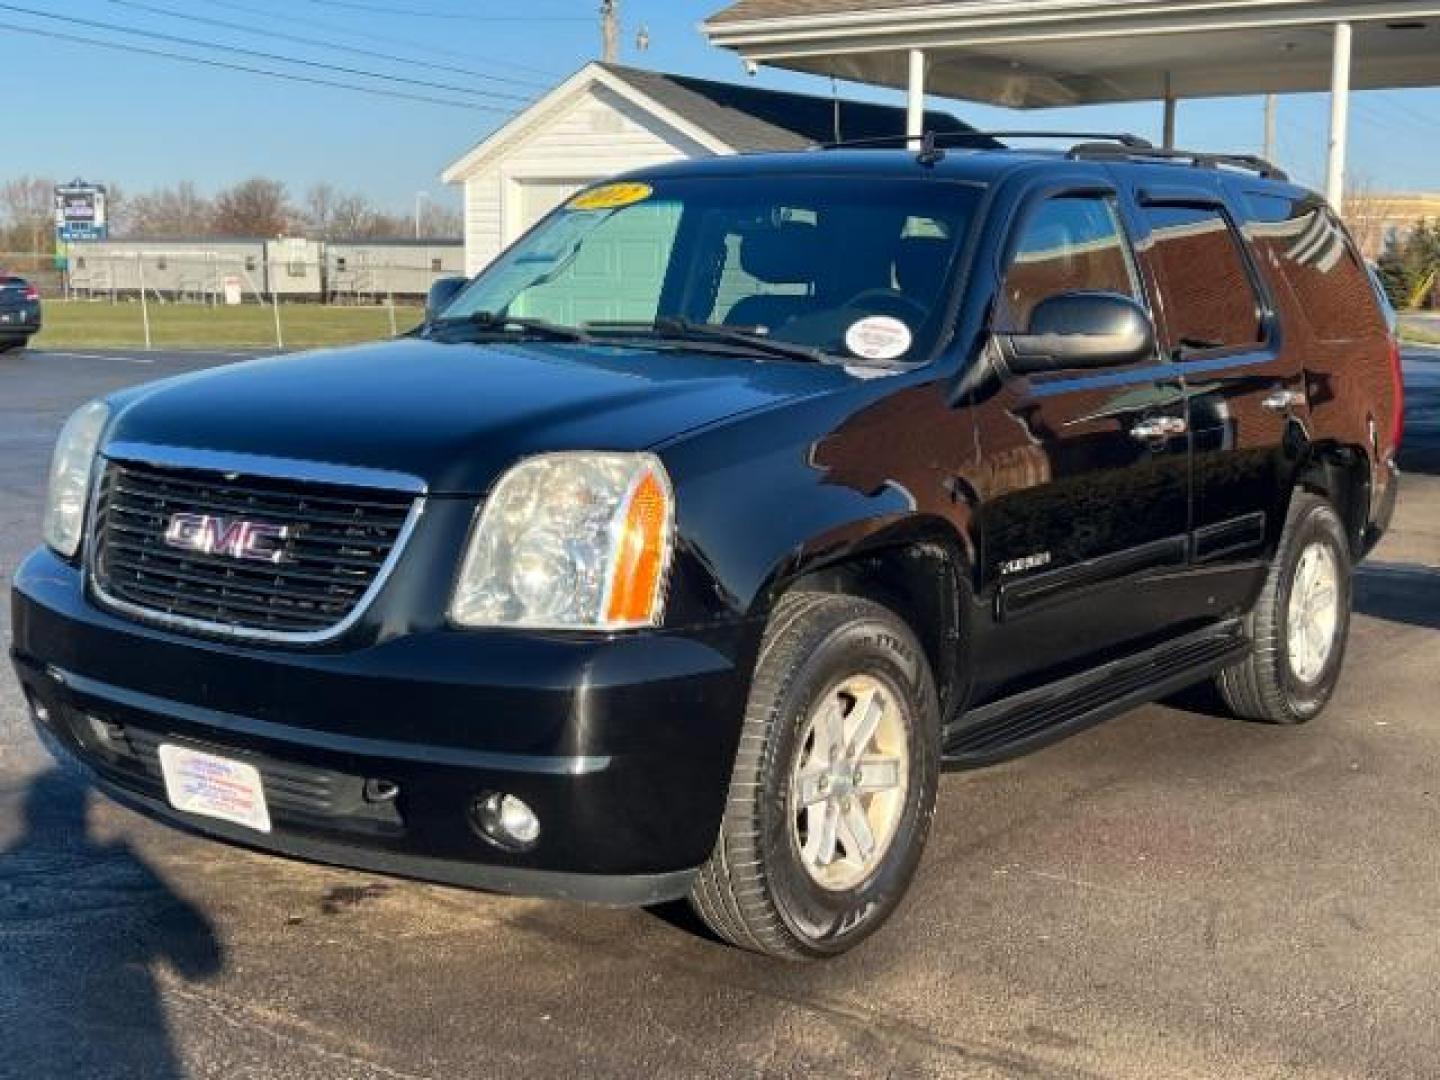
[681,550]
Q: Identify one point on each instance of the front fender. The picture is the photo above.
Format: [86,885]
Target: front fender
[770,498]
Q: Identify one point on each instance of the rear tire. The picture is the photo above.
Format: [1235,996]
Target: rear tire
[1299,627]
[834,783]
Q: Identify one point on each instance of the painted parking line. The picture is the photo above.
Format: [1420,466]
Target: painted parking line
[97,356]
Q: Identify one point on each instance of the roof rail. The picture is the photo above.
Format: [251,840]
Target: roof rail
[940,139]
[1200,159]
[1090,146]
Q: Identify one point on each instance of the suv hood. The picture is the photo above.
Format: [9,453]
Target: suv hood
[456,415]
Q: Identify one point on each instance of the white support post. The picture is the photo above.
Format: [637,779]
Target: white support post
[144,304]
[1272,127]
[915,99]
[1171,111]
[1339,116]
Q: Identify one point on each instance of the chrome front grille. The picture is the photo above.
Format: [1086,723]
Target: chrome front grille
[329,550]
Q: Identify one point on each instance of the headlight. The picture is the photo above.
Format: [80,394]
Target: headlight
[570,541]
[70,473]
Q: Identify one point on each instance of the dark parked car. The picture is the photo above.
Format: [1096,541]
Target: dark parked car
[19,312]
[678,553]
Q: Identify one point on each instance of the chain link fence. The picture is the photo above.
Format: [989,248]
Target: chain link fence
[270,294]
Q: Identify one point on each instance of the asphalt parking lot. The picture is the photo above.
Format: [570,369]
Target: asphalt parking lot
[1174,894]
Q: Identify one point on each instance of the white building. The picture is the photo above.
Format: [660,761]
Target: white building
[608,119]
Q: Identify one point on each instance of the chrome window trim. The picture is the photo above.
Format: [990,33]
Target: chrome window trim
[266,468]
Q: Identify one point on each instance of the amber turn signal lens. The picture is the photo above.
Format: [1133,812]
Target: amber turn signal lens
[640,555]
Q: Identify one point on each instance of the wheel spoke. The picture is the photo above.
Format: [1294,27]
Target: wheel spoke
[878,773]
[809,786]
[859,840]
[868,712]
[823,821]
[829,734]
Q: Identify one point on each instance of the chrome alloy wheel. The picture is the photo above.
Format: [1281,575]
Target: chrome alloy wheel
[847,792]
[1314,612]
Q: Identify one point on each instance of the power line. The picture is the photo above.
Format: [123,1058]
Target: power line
[413,13]
[174,39]
[298,39]
[1415,114]
[288,76]
[387,39]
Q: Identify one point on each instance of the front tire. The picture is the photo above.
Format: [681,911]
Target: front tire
[1300,625]
[834,782]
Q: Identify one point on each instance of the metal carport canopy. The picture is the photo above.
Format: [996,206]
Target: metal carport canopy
[1049,53]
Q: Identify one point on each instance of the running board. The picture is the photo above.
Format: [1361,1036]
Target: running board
[1037,717]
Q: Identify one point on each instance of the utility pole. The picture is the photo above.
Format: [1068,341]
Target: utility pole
[1272,108]
[610,30]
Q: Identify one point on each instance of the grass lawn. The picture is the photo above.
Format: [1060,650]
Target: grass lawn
[97,324]
[1420,335]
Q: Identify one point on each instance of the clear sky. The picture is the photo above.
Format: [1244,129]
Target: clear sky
[141,120]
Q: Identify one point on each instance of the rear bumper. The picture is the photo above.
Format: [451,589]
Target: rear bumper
[19,322]
[622,746]
[1386,492]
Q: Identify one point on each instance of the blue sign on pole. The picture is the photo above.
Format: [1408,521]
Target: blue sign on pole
[80,212]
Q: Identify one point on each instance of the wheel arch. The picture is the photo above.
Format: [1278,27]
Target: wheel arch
[919,567]
[1340,474]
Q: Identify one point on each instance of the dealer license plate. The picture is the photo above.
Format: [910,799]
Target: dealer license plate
[216,787]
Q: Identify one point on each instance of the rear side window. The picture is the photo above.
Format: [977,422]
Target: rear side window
[1303,241]
[1209,297]
[1069,244]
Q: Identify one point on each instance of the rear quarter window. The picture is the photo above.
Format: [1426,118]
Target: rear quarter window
[1301,240]
[1208,295]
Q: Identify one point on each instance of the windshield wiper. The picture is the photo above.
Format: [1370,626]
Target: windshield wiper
[543,328]
[749,338]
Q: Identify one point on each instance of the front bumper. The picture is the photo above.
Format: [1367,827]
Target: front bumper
[623,746]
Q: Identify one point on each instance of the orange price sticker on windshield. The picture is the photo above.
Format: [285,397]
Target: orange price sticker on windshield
[611,197]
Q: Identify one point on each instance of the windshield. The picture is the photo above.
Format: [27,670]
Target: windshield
[848,266]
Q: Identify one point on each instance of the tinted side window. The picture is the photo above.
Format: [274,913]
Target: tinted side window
[1302,239]
[1210,300]
[1068,244]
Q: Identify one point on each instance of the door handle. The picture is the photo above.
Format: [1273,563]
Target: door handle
[1282,400]
[1160,427]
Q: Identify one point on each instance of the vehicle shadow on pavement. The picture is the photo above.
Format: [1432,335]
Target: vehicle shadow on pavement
[1399,592]
[83,926]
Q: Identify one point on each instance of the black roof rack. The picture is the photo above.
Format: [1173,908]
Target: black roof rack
[1090,146]
[962,139]
[1199,158]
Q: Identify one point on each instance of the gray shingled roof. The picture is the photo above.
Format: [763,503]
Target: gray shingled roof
[746,10]
[754,118]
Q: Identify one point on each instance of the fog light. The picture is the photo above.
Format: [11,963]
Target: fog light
[506,821]
[41,711]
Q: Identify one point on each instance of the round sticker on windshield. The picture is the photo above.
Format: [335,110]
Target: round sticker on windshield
[879,337]
[611,197]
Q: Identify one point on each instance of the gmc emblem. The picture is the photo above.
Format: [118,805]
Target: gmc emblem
[207,534]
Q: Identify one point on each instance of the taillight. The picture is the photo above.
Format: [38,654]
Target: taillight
[32,293]
[1397,381]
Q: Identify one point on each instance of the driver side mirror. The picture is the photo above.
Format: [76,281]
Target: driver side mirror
[1080,330]
[441,293]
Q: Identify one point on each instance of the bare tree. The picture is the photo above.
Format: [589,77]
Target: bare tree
[1370,216]
[117,208]
[254,207]
[177,211]
[438,221]
[320,203]
[28,208]
[354,218]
